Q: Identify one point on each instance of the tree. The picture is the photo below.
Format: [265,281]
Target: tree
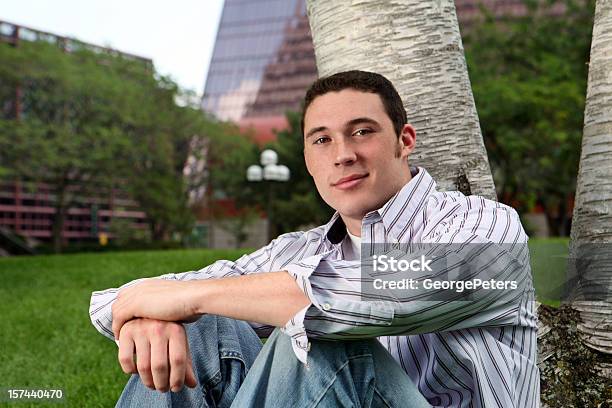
[417,45]
[591,236]
[161,136]
[69,134]
[528,77]
[233,202]
[96,120]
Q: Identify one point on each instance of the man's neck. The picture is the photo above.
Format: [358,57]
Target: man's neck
[353,225]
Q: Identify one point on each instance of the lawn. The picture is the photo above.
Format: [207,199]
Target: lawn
[47,340]
[548,263]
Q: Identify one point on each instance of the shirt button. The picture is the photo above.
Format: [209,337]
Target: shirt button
[326,306]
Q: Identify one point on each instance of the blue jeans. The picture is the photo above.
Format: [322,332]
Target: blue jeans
[234,369]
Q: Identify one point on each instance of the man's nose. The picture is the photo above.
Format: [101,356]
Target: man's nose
[345,153]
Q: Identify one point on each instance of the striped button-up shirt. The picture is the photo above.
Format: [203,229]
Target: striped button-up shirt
[477,353]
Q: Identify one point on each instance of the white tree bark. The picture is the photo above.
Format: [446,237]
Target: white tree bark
[417,45]
[591,235]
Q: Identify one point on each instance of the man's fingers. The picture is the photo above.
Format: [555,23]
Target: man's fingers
[159,362]
[177,356]
[163,360]
[126,353]
[190,379]
[143,361]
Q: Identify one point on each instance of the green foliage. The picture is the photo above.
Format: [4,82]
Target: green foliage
[160,148]
[529,81]
[70,117]
[97,121]
[124,235]
[229,154]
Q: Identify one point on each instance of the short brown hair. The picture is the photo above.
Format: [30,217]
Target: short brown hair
[361,81]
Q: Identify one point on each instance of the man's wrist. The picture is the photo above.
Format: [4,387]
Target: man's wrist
[199,293]
[268,298]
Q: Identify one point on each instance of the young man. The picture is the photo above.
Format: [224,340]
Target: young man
[340,340]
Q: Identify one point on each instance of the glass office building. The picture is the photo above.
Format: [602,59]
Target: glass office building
[264,61]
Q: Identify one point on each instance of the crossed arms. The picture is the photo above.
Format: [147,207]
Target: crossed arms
[152,307]
[271,299]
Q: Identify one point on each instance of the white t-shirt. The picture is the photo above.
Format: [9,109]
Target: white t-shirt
[351,247]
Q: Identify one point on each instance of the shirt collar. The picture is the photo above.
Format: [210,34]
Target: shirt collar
[335,230]
[397,213]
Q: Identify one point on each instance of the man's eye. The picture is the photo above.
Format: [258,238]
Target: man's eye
[321,140]
[361,132]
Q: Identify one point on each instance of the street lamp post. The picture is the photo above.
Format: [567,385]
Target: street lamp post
[269,171]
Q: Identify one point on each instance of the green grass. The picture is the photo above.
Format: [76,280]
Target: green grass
[47,340]
[549,265]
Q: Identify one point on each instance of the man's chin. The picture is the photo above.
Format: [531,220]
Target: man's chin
[353,212]
[356,206]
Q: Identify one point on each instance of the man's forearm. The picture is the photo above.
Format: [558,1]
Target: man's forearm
[268,298]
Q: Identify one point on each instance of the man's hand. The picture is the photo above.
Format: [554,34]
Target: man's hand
[157,299]
[163,360]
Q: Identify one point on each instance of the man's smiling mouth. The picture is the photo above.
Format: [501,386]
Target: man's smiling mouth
[350,181]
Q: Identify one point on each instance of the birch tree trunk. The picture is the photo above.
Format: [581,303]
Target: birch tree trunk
[590,266]
[417,45]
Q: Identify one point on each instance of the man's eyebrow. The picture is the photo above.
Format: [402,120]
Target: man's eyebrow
[357,121]
[315,130]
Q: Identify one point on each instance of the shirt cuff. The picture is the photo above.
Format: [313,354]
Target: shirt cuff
[294,328]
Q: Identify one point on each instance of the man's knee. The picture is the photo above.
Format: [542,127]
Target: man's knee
[333,368]
[217,337]
[325,359]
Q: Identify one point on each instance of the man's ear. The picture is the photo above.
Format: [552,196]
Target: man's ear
[407,140]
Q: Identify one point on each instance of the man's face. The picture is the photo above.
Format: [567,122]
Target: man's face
[352,152]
